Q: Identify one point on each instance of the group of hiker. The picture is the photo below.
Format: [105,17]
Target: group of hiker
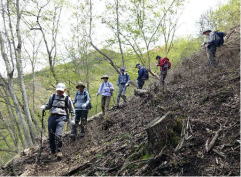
[60,104]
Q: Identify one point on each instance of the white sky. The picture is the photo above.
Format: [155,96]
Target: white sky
[192,12]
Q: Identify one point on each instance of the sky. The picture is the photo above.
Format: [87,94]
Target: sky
[193,9]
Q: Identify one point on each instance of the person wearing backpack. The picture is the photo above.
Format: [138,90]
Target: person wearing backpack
[143,75]
[165,65]
[215,39]
[123,83]
[59,105]
[82,105]
[105,90]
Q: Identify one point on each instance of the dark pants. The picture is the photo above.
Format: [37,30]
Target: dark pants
[211,52]
[80,115]
[140,84]
[55,128]
[163,76]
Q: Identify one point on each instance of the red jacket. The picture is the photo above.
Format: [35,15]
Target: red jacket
[164,64]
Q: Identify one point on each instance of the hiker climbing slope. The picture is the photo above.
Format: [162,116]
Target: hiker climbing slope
[123,83]
[82,105]
[143,75]
[165,65]
[215,39]
[59,105]
[106,90]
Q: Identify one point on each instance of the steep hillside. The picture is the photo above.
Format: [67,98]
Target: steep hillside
[208,98]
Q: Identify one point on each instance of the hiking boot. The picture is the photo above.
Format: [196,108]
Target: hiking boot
[72,137]
[59,155]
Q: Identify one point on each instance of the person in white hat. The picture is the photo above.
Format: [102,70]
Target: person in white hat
[59,105]
[106,89]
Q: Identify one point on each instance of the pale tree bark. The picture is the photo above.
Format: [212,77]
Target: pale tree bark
[10,86]
[19,65]
[9,65]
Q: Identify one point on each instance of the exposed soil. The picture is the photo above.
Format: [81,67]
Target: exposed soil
[117,145]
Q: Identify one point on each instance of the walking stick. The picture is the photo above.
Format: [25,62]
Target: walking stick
[41,136]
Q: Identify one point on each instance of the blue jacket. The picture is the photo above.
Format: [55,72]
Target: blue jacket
[123,79]
[81,98]
[141,73]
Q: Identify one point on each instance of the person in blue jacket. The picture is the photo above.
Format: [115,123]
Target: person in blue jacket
[123,83]
[81,104]
[142,76]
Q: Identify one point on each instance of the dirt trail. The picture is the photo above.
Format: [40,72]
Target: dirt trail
[208,97]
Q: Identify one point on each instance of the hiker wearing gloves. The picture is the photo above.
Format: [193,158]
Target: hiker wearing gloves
[59,105]
[106,89]
[215,39]
[123,83]
[82,105]
[142,76]
[164,64]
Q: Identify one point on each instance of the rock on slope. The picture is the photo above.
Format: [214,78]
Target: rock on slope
[208,98]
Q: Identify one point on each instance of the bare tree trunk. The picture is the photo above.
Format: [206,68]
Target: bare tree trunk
[10,70]
[31,126]
[26,132]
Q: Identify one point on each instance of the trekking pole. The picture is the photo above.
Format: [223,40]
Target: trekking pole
[41,136]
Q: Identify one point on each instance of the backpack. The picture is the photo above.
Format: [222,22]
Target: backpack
[89,105]
[219,42]
[145,75]
[66,100]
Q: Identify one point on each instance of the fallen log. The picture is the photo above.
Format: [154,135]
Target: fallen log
[96,116]
[140,92]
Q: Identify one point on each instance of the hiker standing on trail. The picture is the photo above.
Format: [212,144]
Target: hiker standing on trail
[123,83]
[142,76]
[164,64]
[106,90]
[215,39]
[82,105]
[59,105]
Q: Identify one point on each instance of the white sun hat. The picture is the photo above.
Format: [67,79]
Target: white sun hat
[60,87]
